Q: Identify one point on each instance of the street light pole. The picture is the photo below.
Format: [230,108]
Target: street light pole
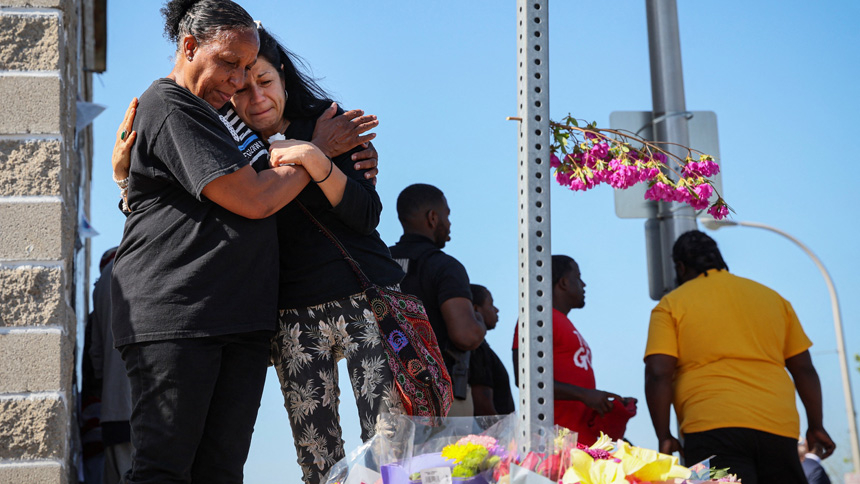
[713,224]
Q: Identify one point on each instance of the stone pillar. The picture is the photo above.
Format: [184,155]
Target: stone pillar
[44,189]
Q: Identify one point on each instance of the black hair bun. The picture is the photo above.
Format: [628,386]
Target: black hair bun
[174,11]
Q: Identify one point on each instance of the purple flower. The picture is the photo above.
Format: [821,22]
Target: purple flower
[554,162]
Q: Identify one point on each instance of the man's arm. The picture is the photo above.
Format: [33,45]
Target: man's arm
[482,397]
[809,388]
[597,400]
[659,371]
[465,330]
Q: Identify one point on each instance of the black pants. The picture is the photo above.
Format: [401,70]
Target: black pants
[756,457]
[195,402]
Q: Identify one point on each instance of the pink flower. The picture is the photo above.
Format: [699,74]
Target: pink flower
[563,178]
[600,150]
[703,193]
[483,440]
[554,162]
[681,194]
[659,191]
[719,210]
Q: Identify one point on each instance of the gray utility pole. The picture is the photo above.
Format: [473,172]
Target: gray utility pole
[535,270]
[670,124]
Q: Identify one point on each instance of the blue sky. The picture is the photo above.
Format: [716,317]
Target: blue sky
[781,77]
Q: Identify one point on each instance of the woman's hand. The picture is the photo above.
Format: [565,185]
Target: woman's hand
[121,158]
[294,152]
[335,135]
[367,159]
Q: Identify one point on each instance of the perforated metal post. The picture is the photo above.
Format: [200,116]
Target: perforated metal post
[535,270]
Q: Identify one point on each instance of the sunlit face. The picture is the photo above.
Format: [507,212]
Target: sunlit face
[260,102]
[219,67]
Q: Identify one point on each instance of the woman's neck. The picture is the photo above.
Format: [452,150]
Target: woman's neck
[278,128]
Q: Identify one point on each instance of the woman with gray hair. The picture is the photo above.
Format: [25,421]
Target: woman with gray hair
[194,293]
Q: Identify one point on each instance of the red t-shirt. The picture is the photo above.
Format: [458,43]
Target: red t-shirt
[571,364]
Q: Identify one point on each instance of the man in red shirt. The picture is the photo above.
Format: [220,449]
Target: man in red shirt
[579,406]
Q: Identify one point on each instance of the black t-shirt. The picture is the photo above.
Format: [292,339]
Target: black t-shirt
[187,267]
[434,277]
[312,269]
[485,368]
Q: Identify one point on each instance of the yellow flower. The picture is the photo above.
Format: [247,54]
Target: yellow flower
[649,465]
[585,470]
[457,452]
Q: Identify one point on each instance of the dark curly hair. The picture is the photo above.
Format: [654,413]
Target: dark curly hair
[698,252]
[306,98]
[203,18]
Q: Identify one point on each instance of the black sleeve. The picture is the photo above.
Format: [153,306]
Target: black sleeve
[480,369]
[451,279]
[196,147]
[360,206]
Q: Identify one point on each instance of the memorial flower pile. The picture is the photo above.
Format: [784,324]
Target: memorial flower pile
[586,157]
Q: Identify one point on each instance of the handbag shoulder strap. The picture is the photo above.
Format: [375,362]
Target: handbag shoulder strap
[362,278]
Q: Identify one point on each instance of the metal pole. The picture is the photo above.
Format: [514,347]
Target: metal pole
[535,270]
[667,93]
[840,338]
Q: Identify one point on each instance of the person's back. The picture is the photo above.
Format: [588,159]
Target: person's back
[440,281]
[733,337]
[719,347]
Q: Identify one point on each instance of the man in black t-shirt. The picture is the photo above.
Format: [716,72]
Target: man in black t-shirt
[440,281]
[491,385]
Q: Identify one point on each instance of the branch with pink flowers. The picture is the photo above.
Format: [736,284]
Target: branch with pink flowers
[586,157]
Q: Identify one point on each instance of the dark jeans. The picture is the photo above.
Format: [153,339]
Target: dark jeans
[195,402]
[756,457]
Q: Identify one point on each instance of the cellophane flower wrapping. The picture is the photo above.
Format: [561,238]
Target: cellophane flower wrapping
[404,446]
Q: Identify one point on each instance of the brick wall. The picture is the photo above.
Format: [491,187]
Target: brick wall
[44,186]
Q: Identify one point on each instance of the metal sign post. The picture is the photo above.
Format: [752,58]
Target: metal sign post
[535,270]
[670,124]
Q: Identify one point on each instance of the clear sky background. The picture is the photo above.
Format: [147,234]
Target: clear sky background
[781,76]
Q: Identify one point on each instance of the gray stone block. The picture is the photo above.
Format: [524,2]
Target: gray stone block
[33,474]
[31,104]
[32,296]
[34,362]
[30,167]
[32,428]
[29,42]
[32,230]
[35,3]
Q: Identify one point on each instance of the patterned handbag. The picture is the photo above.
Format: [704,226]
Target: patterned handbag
[410,344]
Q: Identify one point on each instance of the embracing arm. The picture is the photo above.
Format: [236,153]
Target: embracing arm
[353,197]
[809,388]
[659,372]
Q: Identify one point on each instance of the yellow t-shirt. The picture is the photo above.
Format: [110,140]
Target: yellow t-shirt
[731,336]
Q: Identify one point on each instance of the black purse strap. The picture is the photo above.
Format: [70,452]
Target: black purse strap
[362,278]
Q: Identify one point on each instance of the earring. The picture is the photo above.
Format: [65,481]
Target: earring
[189,57]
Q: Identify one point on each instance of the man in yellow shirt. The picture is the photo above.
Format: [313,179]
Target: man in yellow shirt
[718,349]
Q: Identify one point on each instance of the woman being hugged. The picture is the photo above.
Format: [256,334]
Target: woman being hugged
[194,292]
[324,314]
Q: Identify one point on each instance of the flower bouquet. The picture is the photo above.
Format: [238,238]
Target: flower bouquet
[606,462]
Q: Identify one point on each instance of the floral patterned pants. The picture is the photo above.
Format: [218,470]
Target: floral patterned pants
[305,351]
